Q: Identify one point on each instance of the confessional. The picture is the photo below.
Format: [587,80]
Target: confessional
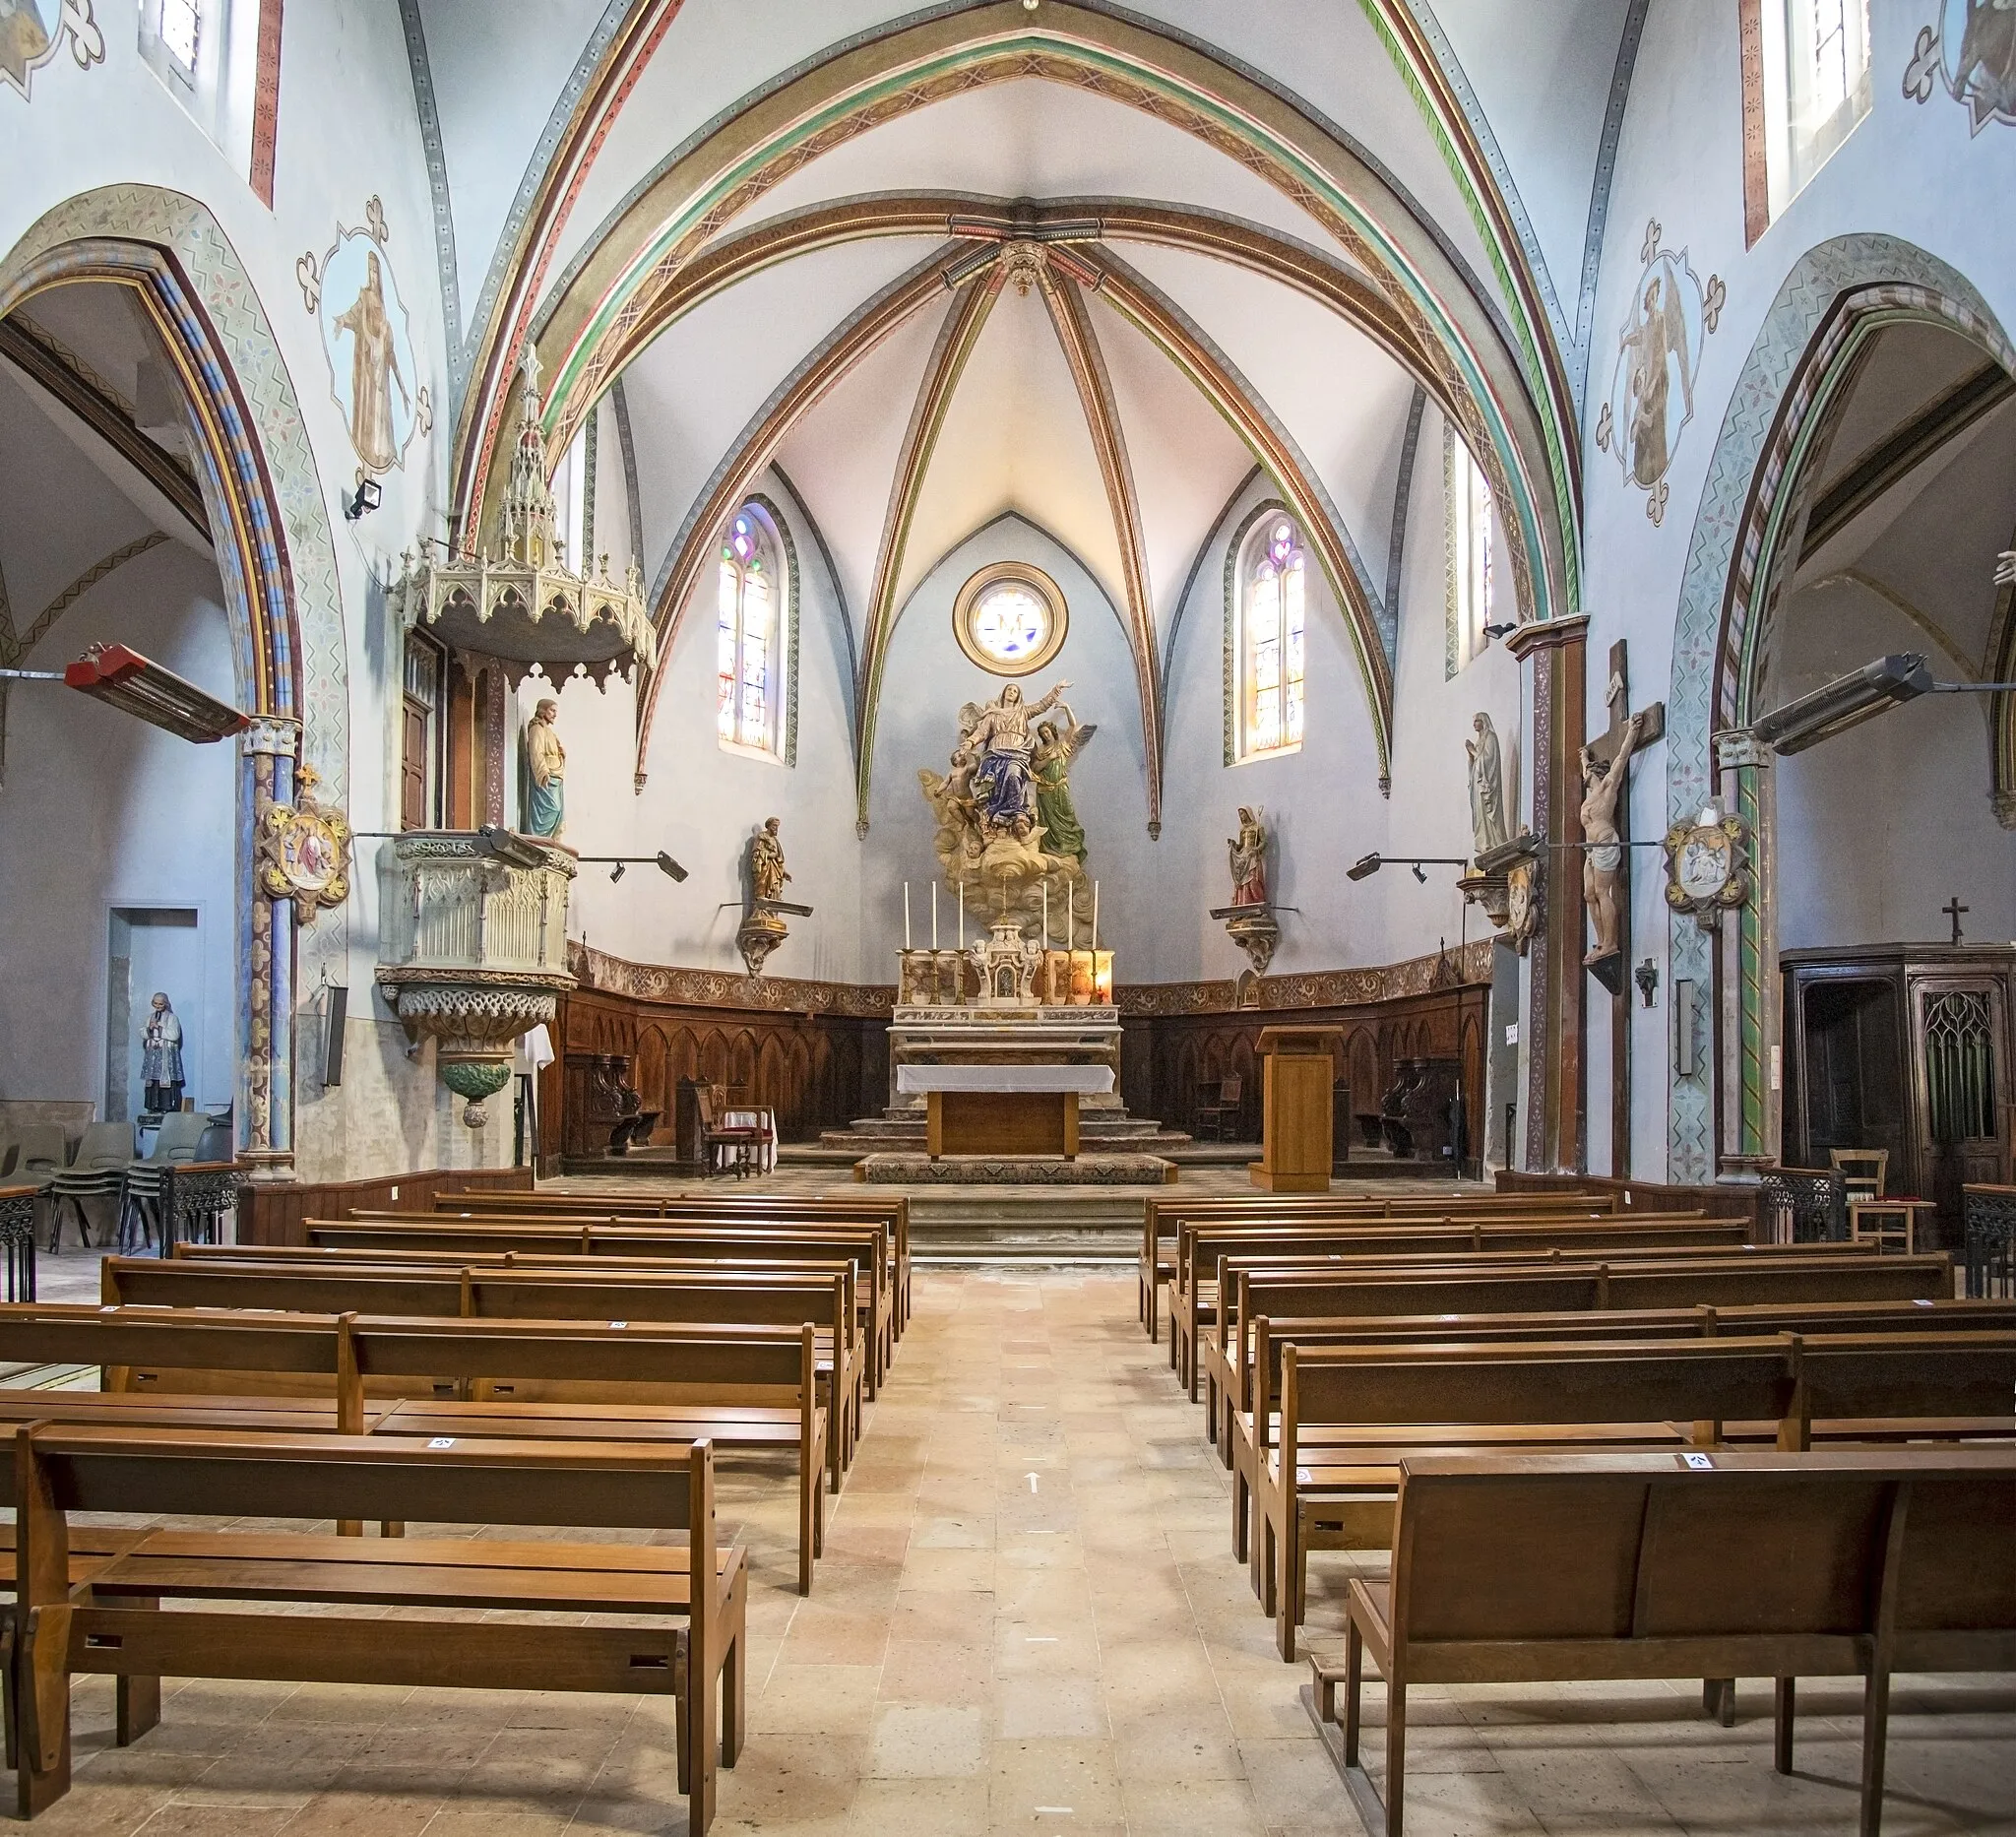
[1904,1049]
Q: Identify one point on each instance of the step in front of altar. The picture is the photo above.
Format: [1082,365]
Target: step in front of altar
[901,1168]
[898,1130]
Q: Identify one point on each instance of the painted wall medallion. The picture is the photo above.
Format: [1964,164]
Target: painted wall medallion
[1651,396]
[32,31]
[1707,865]
[354,294]
[1970,53]
[304,851]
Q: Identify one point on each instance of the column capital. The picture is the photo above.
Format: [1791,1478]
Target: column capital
[1550,634]
[1735,747]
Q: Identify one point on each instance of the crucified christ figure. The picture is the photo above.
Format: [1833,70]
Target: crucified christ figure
[1603,861]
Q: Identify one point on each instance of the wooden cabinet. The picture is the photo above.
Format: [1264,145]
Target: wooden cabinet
[1905,1048]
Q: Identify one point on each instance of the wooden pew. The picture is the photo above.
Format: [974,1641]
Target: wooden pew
[1192,1291]
[522,1380]
[741,1208]
[1256,1381]
[1602,1390]
[1162,1215]
[867,1243]
[1857,1564]
[682,1610]
[693,1299]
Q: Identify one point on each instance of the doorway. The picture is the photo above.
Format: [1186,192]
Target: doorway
[152,947]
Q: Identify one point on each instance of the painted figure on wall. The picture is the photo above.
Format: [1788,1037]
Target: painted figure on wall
[1969,50]
[1602,862]
[160,1056]
[1487,827]
[28,34]
[1651,396]
[1249,856]
[545,772]
[767,874]
[374,369]
[1000,738]
[1055,749]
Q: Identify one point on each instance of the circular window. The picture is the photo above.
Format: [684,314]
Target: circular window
[1010,618]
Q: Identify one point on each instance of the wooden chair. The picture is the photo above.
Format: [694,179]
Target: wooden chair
[1217,1103]
[1861,1170]
[1886,1222]
[725,1146]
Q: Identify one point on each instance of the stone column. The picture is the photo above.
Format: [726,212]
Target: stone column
[1751,1052]
[1558,683]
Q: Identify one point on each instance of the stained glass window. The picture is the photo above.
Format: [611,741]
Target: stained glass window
[1011,622]
[748,640]
[182,32]
[1473,559]
[1272,633]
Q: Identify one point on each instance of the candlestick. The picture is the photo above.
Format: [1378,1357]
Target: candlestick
[906,915]
[935,915]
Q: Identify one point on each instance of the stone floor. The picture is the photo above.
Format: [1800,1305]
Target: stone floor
[1028,1620]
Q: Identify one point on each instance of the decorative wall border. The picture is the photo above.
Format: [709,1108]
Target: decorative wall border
[1786,382]
[722,988]
[277,567]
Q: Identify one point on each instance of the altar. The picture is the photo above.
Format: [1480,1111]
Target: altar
[1005,1109]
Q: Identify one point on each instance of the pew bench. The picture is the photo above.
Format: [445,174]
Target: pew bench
[1856,1564]
[680,1607]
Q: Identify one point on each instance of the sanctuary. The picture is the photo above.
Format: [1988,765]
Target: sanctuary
[775,699]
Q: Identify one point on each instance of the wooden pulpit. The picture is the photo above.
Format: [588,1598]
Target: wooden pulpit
[1294,1108]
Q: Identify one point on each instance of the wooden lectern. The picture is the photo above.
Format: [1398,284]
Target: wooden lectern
[1294,1136]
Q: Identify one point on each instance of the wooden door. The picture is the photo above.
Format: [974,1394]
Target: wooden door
[413,764]
[1961,1081]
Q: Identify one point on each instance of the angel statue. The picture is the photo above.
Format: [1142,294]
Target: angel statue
[1001,739]
[1056,748]
[1248,852]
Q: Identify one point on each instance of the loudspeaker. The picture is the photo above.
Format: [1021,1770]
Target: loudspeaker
[331,1056]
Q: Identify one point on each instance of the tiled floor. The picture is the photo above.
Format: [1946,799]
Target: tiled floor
[1028,1620]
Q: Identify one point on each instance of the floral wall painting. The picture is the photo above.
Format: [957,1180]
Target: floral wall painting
[32,31]
[1651,396]
[367,338]
[1971,53]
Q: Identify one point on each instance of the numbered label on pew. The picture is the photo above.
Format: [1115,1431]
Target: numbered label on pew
[1700,1463]
[442,1441]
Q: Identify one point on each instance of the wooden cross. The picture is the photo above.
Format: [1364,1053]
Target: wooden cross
[1953,909]
[1617,696]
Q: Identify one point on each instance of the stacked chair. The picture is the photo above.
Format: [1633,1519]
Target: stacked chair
[98,1170]
[140,1211]
[1562,1418]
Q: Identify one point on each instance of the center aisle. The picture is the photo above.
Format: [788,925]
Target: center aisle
[1073,1653]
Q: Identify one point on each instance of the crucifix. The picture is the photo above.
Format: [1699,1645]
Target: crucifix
[1606,823]
[1953,909]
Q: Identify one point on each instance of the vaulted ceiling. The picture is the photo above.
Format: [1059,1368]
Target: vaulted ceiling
[1052,257]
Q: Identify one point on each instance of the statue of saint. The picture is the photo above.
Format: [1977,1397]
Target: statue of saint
[374,368]
[767,874]
[160,1057]
[1001,780]
[1248,852]
[546,772]
[1602,862]
[1488,826]
[1056,747]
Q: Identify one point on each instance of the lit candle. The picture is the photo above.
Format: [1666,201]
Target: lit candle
[1046,915]
[935,915]
[906,915]
[1070,914]
[1094,915]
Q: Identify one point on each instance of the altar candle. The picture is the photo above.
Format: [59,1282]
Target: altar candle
[935,915]
[962,911]
[1046,915]
[906,915]
[1070,914]
[1094,915]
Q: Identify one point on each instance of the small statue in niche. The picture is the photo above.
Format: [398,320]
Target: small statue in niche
[767,874]
[1488,826]
[1602,862]
[545,772]
[160,1056]
[1055,749]
[1249,856]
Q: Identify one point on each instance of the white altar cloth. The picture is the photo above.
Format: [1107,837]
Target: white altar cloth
[1086,1080]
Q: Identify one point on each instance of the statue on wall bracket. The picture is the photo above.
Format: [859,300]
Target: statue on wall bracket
[763,927]
[1009,839]
[303,850]
[1249,921]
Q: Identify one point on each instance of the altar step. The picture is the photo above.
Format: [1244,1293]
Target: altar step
[1023,1225]
[841,1148]
[1098,1131]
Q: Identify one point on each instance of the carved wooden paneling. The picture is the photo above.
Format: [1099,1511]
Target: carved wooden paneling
[276,1212]
[816,1071]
